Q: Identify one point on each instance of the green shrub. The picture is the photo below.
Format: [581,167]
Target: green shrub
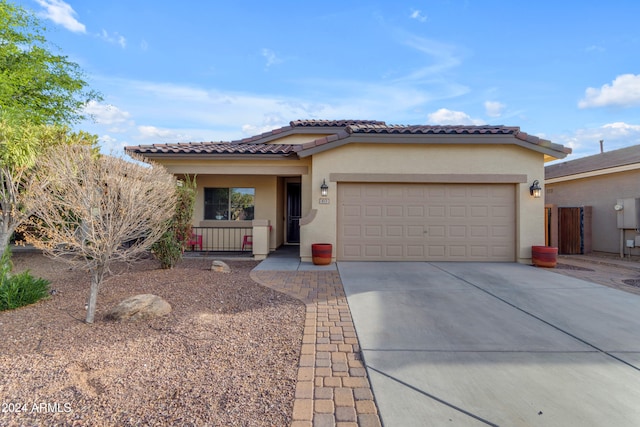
[20,289]
[167,250]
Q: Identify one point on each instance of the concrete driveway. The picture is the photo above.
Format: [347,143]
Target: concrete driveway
[472,344]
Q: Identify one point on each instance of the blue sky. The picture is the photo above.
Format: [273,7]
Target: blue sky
[216,71]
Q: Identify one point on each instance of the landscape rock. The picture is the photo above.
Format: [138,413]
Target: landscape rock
[220,267]
[139,307]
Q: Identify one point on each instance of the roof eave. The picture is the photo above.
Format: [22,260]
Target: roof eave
[437,139]
[221,156]
[293,131]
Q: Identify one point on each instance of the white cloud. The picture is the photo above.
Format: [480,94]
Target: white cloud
[271,57]
[586,142]
[494,108]
[159,134]
[114,38]
[172,112]
[417,15]
[61,13]
[270,121]
[448,117]
[624,91]
[443,57]
[622,129]
[106,114]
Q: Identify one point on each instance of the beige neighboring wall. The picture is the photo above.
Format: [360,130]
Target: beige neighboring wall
[601,192]
[455,161]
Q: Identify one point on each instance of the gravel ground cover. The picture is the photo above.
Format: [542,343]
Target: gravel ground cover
[227,355]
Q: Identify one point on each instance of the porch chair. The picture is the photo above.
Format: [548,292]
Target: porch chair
[247,240]
[195,240]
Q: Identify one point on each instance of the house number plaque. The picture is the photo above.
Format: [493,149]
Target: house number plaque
[324,200]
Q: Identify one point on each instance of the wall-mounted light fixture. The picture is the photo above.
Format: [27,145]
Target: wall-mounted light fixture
[324,188]
[535,189]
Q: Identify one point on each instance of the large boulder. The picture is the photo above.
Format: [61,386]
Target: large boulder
[220,267]
[139,307]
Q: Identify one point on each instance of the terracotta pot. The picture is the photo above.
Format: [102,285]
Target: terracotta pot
[321,253]
[544,256]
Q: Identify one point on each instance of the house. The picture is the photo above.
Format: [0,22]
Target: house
[599,181]
[374,191]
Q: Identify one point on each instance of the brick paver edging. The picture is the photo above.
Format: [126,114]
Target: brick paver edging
[332,388]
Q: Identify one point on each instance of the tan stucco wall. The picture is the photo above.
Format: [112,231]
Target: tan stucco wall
[600,192]
[266,197]
[266,176]
[422,159]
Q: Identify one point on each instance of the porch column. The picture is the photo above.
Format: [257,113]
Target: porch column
[260,238]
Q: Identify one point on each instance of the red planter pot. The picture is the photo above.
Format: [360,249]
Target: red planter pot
[544,256]
[321,253]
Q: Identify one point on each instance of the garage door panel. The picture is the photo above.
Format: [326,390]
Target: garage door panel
[458,251]
[394,251]
[415,211]
[458,211]
[373,211]
[434,231]
[352,231]
[479,231]
[415,231]
[352,251]
[352,211]
[435,251]
[373,251]
[415,251]
[432,222]
[501,211]
[500,231]
[479,211]
[438,211]
[457,192]
[480,192]
[373,231]
[457,231]
[394,211]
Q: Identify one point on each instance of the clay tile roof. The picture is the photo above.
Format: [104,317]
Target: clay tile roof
[341,129]
[212,148]
[333,123]
[606,160]
[431,130]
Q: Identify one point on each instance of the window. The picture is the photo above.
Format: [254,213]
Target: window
[229,204]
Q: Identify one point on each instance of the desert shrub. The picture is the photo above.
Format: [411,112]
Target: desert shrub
[169,249]
[20,289]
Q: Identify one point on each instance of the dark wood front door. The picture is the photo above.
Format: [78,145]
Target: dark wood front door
[294,210]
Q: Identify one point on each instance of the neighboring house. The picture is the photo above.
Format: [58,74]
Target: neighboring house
[598,181]
[416,193]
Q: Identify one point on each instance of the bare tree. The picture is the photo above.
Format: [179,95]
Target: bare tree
[91,210]
[21,142]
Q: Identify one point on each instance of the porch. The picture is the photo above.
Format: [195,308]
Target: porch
[232,240]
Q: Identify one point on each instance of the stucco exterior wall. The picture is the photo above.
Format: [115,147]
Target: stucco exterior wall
[600,192]
[425,159]
[266,198]
[266,176]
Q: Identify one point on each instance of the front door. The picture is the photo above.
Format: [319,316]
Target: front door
[294,210]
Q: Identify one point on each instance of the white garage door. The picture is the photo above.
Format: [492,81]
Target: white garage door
[426,222]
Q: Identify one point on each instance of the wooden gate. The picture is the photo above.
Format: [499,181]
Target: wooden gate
[574,230]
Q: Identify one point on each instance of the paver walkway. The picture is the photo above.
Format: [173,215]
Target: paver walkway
[332,388]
